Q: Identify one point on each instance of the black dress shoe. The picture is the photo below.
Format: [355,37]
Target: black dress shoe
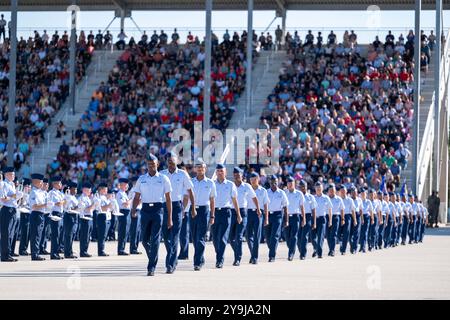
[9,259]
[71,257]
[342,253]
[14,255]
[60,251]
[103,254]
[290,258]
[319,257]
[135,252]
[271,259]
[123,253]
[24,253]
[44,252]
[38,258]
[314,254]
[85,255]
[150,273]
[169,271]
[56,258]
[197,268]
[236,263]
[219,265]
[183,258]
[302,258]
[331,254]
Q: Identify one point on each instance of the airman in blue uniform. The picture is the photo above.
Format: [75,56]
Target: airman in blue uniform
[349,218]
[367,219]
[356,228]
[245,194]
[336,220]
[47,210]
[310,221]
[25,219]
[70,219]
[104,208]
[377,220]
[87,206]
[153,189]
[278,207]
[181,183]
[391,220]
[135,224]
[38,202]
[323,209]
[225,200]
[296,211]
[205,193]
[57,198]
[124,221]
[257,217]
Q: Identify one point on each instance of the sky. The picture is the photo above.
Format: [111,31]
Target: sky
[366,24]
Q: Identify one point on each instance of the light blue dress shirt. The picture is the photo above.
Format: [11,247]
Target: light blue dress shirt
[153,188]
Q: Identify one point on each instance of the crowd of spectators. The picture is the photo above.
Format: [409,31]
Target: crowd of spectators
[42,86]
[345,114]
[155,87]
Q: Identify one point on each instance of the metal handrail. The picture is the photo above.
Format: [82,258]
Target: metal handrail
[426,143]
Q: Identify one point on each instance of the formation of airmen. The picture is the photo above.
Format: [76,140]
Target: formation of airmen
[169,205]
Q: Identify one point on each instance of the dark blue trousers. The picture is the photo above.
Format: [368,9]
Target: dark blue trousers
[354,233]
[422,230]
[151,225]
[388,231]
[172,236]
[199,228]
[291,233]
[185,235]
[381,228]
[237,232]
[45,233]
[319,235]
[221,232]
[70,222]
[332,237]
[398,231]
[102,231]
[55,229]
[254,228]
[412,229]
[135,232]
[364,232]
[85,235]
[418,228]
[15,232]
[123,230]
[24,232]
[373,233]
[111,232]
[273,232]
[7,218]
[36,232]
[304,234]
[405,226]
[348,221]
[94,226]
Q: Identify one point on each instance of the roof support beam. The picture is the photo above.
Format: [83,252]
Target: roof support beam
[415,154]
[12,84]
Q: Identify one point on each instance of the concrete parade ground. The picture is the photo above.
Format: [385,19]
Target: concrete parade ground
[418,271]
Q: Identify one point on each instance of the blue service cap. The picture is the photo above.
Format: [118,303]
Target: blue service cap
[331,185]
[290,179]
[318,184]
[26,182]
[200,162]
[352,188]
[8,170]
[134,179]
[72,184]
[238,170]
[102,185]
[56,179]
[380,193]
[303,183]
[391,194]
[372,190]
[343,187]
[37,176]
[123,180]
[385,194]
[87,185]
[220,166]
[361,190]
[273,177]
[254,175]
[151,157]
[45,180]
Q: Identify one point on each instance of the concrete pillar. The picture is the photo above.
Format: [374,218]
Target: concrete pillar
[72,57]
[415,153]
[248,77]
[437,101]
[12,85]
[207,88]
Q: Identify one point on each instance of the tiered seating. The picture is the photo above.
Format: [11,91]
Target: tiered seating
[42,86]
[156,87]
